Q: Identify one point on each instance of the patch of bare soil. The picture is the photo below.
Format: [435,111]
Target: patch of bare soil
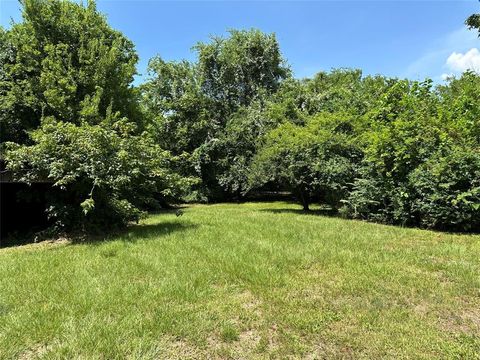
[176,349]
[35,352]
[464,318]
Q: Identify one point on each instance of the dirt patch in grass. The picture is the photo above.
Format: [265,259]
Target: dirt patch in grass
[461,321]
[248,335]
[171,348]
[35,352]
[246,345]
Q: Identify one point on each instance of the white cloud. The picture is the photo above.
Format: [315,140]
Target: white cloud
[462,62]
[433,60]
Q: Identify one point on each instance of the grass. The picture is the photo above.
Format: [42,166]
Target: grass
[256,280]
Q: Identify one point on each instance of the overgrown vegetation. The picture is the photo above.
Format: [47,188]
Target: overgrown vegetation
[233,121]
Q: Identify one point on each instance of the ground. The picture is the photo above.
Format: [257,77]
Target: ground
[254,280]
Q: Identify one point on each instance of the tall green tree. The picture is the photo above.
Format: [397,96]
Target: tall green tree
[65,61]
[237,69]
[193,106]
[71,115]
[178,109]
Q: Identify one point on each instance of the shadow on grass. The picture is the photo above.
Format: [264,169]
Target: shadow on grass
[335,214]
[149,231]
[138,232]
[170,210]
[317,212]
[19,238]
[131,233]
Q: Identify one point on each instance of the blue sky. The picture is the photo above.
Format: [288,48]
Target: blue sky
[414,39]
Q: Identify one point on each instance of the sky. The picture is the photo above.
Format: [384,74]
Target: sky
[412,39]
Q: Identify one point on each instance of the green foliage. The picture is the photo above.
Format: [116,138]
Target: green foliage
[315,160]
[403,131]
[237,144]
[69,116]
[106,172]
[460,109]
[420,157]
[236,69]
[341,90]
[64,61]
[290,137]
[447,190]
[381,149]
[473,22]
[202,109]
[178,109]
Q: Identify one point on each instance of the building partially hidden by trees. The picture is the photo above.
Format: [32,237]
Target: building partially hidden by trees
[233,121]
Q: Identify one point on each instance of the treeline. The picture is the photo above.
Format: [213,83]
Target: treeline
[235,120]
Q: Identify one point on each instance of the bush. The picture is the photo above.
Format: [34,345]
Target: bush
[105,172]
[447,190]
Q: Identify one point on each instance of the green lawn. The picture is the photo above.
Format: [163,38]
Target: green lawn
[256,280]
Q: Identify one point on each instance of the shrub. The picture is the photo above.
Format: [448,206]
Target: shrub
[105,172]
[447,190]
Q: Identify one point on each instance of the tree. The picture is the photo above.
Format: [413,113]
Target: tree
[64,61]
[402,131]
[68,106]
[178,110]
[247,66]
[105,173]
[235,69]
[237,145]
[447,190]
[193,106]
[460,107]
[317,160]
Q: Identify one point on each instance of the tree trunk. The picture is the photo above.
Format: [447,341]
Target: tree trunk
[239,195]
[304,199]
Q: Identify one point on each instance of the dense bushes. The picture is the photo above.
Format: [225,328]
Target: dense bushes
[419,156]
[408,156]
[376,148]
[107,174]
[446,190]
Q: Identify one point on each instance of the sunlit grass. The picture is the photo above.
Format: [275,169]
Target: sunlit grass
[255,280]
